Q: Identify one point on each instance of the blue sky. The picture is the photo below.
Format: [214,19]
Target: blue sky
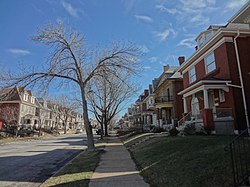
[165,29]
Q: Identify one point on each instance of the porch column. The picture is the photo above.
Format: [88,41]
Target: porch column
[205,95]
[185,104]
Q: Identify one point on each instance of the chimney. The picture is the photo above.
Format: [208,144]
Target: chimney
[145,93]
[181,59]
[166,68]
[150,89]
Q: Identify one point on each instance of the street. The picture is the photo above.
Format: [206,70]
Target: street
[29,163]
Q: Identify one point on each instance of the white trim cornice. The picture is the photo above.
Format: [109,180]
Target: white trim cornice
[218,44]
[194,87]
[213,41]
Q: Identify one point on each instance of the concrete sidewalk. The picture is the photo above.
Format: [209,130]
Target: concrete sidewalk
[116,168]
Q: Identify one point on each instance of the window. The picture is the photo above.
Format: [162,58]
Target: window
[33,100]
[210,62]
[222,95]
[201,41]
[208,35]
[25,97]
[192,75]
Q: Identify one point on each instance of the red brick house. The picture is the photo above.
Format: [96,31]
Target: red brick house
[216,78]
[21,100]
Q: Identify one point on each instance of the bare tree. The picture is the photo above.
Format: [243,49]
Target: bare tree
[66,107]
[71,62]
[108,94]
[9,115]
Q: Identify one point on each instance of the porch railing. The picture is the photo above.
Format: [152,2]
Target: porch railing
[164,99]
[187,117]
[223,112]
[239,149]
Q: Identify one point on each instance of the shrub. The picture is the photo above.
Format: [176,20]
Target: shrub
[173,131]
[157,130]
[190,129]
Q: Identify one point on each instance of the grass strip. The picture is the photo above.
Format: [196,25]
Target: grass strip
[78,172]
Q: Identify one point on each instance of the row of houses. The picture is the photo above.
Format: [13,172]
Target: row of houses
[19,108]
[210,89]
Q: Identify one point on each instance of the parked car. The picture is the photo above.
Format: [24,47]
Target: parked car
[78,130]
[98,131]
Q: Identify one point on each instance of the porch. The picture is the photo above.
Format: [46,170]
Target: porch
[207,107]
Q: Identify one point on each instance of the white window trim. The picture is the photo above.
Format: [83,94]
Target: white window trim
[25,97]
[32,100]
[213,48]
[222,96]
[206,65]
[194,75]
[201,38]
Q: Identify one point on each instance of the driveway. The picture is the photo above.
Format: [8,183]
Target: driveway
[30,163]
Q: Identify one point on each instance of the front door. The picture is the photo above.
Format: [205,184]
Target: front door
[211,99]
[211,103]
[195,106]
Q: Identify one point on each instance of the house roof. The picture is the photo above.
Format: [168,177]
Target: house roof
[10,94]
[209,29]
[15,94]
[242,16]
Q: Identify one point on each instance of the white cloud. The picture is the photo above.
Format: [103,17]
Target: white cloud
[37,9]
[19,52]
[153,59]
[143,18]
[162,8]
[130,5]
[199,19]
[188,42]
[70,9]
[234,4]
[146,67]
[192,5]
[196,11]
[144,48]
[165,34]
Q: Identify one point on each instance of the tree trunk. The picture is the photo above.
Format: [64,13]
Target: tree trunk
[102,128]
[40,131]
[87,124]
[65,128]
[106,124]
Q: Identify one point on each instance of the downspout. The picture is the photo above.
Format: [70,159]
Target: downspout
[241,80]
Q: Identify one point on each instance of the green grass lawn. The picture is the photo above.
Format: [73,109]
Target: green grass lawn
[184,161]
[78,172]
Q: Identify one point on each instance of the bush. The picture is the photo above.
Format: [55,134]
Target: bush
[173,131]
[190,129]
[157,130]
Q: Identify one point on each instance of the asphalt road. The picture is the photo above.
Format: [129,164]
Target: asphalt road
[29,163]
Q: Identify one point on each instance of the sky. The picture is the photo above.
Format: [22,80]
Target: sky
[163,29]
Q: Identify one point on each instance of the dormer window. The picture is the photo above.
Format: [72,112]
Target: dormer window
[204,38]
[25,97]
[208,35]
[201,41]
[32,100]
